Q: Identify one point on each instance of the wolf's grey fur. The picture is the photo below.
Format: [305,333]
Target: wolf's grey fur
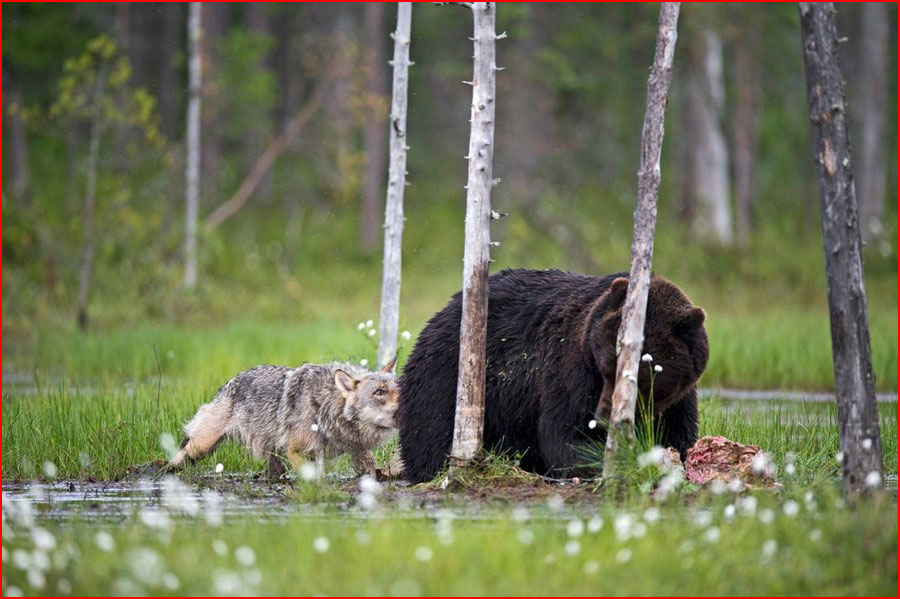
[319,411]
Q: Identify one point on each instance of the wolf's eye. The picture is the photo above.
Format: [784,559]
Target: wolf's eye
[378,392]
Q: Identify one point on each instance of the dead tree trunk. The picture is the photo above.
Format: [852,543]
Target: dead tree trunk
[853,380]
[375,132]
[872,91]
[17,136]
[631,331]
[746,118]
[469,425]
[90,199]
[192,164]
[388,321]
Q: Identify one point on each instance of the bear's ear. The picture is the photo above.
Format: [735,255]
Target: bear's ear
[617,291]
[692,320]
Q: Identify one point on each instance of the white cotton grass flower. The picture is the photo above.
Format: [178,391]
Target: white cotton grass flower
[622,524]
[623,556]
[321,544]
[360,326]
[735,485]
[791,508]
[730,511]
[646,358]
[50,469]
[591,567]
[525,536]
[84,458]
[790,469]
[314,427]
[575,528]
[639,530]
[769,547]
[873,479]
[762,465]
[592,424]
[364,362]
[308,471]
[652,457]
[64,586]
[40,560]
[406,336]
[839,457]
[712,534]
[717,487]
[520,513]
[424,553]
[867,444]
[815,535]
[595,524]
[372,332]
[368,484]
[369,323]
[226,582]
[367,501]
[43,539]
[12,591]
[220,468]
[766,516]
[555,502]
[245,555]
[220,547]
[170,581]
[573,547]
[36,579]
[702,518]
[651,515]
[657,368]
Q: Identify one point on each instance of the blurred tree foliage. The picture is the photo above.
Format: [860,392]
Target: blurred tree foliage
[570,104]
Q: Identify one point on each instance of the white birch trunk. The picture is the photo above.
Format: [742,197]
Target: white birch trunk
[631,331]
[192,162]
[469,425]
[870,184]
[388,321]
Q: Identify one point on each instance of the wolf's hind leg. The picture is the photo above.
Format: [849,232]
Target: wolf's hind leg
[276,467]
[203,433]
[364,462]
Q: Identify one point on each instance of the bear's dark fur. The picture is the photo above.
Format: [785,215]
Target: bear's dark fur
[550,367]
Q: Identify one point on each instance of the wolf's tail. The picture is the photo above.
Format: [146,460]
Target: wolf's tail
[204,431]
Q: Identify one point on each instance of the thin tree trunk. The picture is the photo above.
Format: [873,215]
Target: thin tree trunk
[18,142]
[746,118]
[631,331]
[90,199]
[469,425]
[707,177]
[170,48]
[872,91]
[192,162]
[853,380]
[375,131]
[276,147]
[388,322]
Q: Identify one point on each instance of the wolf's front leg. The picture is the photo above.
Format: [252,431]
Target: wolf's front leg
[364,462]
[320,464]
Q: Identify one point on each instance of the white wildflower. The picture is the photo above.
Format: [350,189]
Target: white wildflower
[84,458]
[873,479]
[423,553]
[622,525]
[591,567]
[573,547]
[651,515]
[220,547]
[220,468]
[104,541]
[595,524]
[40,559]
[146,565]
[525,536]
[170,581]
[36,579]
[245,555]
[638,530]
[406,335]
[226,582]
[50,469]
[368,484]
[646,358]
[770,547]
[624,555]
[321,544]
[653,457]
[791,508]
[867,444]
[702,518]
[308,471]
[730,511]
[64,586]
[712,534]
[21,559]
[657,368]
[762,465]
[369,323]
[815,535]
[372,332]
[520,514]
[555,502]
[839,456]
[748,504]
[592,424]
[766,516]
[360,326]
[717,487]
[314,427]
[367,501]
[43,539]
[12,591]
[789,469]
[735,485]
[575,528]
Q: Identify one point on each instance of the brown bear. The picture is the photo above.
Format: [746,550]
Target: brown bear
[551,364]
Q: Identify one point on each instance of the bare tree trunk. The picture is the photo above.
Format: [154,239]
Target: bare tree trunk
[631,331]
[853,380]
[388,321]
[872,92]
[707,177]
[276,147]
[192,163]
[90,199]
[469,425]
[17,136]
[375,130]
[170,48]
[746,118]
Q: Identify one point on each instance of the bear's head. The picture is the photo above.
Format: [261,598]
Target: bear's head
[674,337]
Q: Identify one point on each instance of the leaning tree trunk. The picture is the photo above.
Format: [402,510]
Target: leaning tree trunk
[853,380]
[469,425]
[192,164]
[375,132]
[90,199]
[620,433]
[872,90]
[388,321]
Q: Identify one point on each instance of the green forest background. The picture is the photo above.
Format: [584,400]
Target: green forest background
[289,275]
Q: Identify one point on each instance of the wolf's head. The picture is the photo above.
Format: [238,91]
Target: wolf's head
[370,399]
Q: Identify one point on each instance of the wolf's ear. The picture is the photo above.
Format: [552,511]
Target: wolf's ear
[389,367]
[346,384]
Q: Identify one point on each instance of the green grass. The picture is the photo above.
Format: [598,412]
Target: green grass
[795,544]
